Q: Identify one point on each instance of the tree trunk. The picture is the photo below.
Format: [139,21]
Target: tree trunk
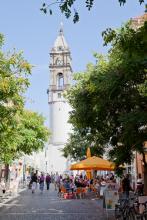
[145,179]
[0,172]
[145,175]
[6,172]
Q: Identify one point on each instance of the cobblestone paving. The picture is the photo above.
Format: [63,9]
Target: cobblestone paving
[48,206]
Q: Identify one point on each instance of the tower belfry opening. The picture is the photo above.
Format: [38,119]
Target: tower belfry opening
[60,80]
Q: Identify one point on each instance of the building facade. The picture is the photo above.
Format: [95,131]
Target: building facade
[60,81]
[137,22]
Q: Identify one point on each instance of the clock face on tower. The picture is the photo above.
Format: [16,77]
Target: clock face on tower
[59,62]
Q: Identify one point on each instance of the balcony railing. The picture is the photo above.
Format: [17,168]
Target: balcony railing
[60,88]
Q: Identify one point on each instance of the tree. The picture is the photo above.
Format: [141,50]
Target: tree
[14,71]
[109,100]
[77,145]
[67,7]
[29,135]
[21,131]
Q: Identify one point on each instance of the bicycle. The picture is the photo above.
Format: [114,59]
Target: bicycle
[124,210]
[140,210]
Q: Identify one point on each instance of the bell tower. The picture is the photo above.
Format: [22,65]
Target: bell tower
[60,64]
[60,81]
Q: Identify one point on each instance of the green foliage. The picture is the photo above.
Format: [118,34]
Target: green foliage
[77,146]
[20,131]
[1,40]
[122,2]
[109,100]
[67,7]
[29,135]
[32,133]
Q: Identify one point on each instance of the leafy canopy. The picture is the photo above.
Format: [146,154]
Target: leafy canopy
[67,7]
[109,100]
[21,131]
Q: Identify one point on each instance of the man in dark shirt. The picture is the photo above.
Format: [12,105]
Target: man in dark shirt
[34,182]
[48,181]
[126,186]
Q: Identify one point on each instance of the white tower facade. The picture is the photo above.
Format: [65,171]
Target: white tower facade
[60,80]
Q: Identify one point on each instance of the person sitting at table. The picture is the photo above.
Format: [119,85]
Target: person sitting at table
[66,185]
[112,185]
[72,186]
[102,186]
[85,182]
[91,184]
[77,183]
[82,182]
[97,187]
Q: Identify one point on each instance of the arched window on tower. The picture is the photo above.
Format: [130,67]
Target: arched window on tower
[60,81]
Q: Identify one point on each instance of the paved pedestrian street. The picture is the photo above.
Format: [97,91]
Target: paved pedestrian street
[48,206]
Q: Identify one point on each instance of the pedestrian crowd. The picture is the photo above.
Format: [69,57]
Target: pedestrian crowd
[70,183]
[97,184]
[42,179]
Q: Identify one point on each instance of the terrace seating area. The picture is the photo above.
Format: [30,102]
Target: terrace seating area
[83,188]
[79,193]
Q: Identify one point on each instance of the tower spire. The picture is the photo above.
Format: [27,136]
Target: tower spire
[61,28]
[60,41]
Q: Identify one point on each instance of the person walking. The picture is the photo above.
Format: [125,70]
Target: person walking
[48,181]
[41,182]
[56,180]
[34,182]
[126,186]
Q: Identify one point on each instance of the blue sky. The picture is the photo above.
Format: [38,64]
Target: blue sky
[26,28]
